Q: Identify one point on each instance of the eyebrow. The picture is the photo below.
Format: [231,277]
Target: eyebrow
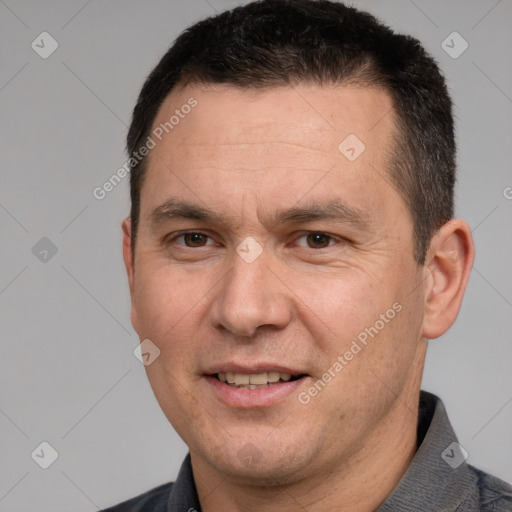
[331,210]
[176,209]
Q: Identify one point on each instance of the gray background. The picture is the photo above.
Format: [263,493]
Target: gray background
[68,374]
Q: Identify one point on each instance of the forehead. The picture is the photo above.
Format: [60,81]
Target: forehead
[272,140]
[226,114]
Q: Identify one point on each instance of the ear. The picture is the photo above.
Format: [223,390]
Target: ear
[448,265]
[129,262]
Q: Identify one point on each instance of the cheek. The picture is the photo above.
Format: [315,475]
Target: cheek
[343,304]
[369,321]
[167,304]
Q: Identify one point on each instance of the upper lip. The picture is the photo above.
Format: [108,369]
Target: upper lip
[252,368]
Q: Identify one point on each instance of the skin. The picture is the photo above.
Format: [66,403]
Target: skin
[246,155]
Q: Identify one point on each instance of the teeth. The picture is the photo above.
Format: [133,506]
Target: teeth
[243,380]
[258,378]
[252,381]
[273,376]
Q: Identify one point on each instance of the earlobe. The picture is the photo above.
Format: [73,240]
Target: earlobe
[448,265]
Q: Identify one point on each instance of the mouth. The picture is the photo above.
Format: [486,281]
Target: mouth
[262,386]
[255,380]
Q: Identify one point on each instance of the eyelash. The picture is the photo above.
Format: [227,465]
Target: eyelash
[331,238]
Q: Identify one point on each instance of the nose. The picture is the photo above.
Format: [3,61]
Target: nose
[251,296]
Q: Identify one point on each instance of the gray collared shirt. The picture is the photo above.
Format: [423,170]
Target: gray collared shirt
[438,479]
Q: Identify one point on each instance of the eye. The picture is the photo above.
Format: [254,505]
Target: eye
[192,239]
[316,240]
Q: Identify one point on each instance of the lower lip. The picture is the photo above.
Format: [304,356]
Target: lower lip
[252,398]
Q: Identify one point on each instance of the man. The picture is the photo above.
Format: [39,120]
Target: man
[290,250]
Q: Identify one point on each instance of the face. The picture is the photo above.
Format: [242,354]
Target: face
[273,252]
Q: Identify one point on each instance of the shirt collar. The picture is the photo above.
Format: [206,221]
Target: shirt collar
[438,477]
[183,496]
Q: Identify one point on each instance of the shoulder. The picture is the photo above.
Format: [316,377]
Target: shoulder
[154,500]
[495,495]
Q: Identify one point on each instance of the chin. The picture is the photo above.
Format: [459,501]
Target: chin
[261,465]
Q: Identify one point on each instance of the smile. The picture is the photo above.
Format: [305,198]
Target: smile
[246,389]
[254,380]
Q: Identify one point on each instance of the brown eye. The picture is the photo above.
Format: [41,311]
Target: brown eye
[194,239]
[318,240]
